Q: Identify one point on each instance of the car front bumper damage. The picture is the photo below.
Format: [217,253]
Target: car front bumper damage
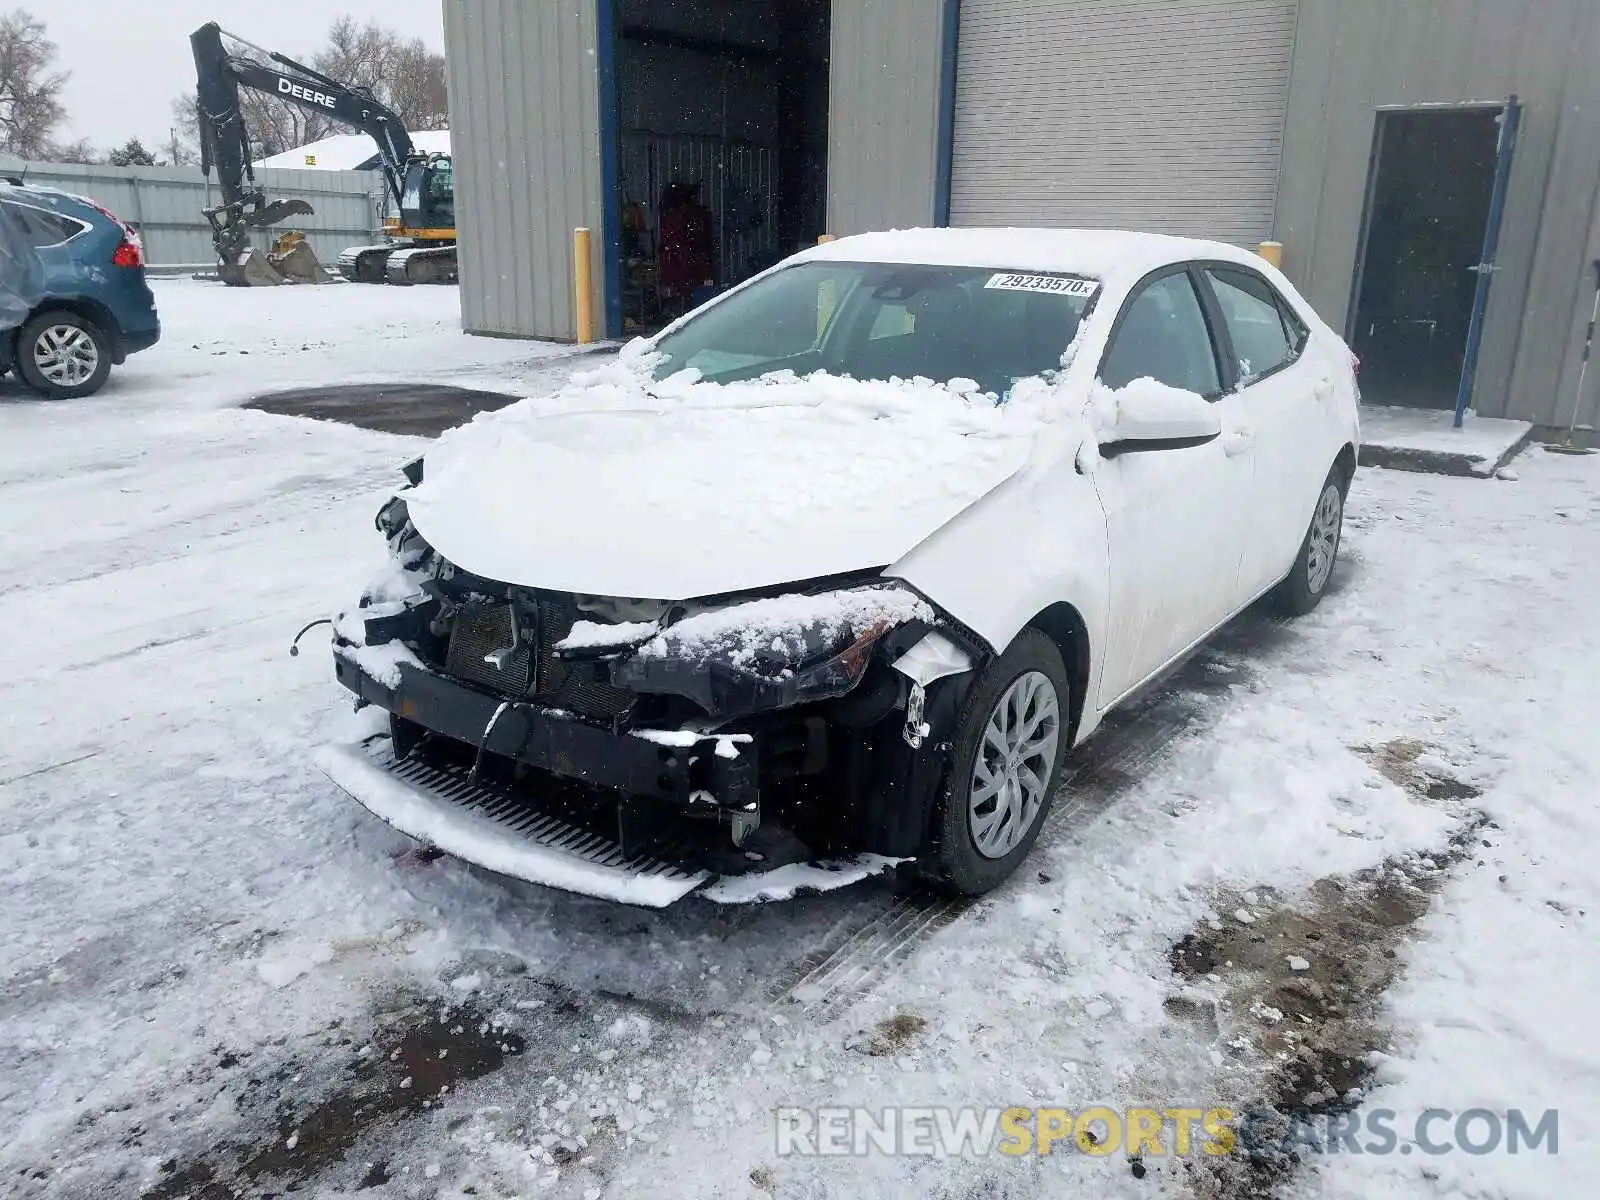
[655,814]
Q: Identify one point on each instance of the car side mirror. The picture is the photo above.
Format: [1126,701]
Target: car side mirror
[1152,416]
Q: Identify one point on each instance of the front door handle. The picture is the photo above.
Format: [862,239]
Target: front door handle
[1237,441]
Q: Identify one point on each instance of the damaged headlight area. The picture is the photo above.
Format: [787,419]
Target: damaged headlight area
[774,652]
[725,735]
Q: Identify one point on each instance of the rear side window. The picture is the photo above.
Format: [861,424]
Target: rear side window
[45,228]
[1265,334]
[1163,335]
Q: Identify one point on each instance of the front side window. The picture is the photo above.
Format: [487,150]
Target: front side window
[1262,339]
[1163,336]
[879,321]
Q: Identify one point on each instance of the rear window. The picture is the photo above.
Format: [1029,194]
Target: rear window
[879,321]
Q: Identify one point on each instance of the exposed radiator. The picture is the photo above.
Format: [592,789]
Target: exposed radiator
[532,671]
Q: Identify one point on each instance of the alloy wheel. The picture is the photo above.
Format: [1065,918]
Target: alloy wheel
[1323,546]
[65,355]
[1011,772]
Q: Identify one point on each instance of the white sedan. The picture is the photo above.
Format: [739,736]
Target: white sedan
[839,568]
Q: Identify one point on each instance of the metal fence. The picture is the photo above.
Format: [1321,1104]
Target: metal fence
[165,203]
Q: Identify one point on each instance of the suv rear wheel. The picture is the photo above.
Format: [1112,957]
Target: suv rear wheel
[62,355]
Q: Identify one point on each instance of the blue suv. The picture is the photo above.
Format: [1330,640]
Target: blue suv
[73,296]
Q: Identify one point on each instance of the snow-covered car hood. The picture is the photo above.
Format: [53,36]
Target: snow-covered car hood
[620,487]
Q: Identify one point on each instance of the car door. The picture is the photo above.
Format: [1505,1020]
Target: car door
[1281,396]
[1176,515]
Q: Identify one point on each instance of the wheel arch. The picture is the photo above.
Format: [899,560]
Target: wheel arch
[90,310]
[1345,460]
[1064,625]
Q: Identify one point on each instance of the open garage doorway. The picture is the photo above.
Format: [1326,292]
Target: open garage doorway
[1429,208]
[721,149]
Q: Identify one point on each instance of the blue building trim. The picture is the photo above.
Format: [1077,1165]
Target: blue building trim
[605,19]
[1510,120]
[944,159]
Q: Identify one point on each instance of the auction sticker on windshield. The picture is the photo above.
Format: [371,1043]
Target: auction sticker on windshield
[1056,285]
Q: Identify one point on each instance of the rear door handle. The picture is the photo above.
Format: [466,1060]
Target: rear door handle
[1323,388]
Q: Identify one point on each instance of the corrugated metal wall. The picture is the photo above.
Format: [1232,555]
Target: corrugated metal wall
[165,203]
[883,120]
[525,122]
[1353,56]
[1162,115]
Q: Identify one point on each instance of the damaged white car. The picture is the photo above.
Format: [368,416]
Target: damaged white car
[838,569]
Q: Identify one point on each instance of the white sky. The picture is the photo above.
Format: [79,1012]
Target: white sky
[129,58]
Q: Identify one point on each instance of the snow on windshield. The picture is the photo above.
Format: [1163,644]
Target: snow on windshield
[883,321]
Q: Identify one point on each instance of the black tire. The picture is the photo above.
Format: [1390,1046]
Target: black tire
[1306,584]
[953,860]
[57,319]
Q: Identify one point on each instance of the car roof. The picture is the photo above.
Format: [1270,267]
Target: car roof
[1113,255]
[44,197]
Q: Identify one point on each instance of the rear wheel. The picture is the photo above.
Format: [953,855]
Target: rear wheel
[1003,768]
[1307,582]
[62,355]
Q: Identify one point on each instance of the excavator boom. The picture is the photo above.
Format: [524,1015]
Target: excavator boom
[225,145]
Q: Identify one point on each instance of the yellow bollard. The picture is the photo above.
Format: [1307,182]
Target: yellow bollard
[1272,252]
[826,238]
[583,286]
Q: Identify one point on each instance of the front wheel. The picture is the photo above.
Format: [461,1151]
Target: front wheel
[62,355]
[1307,582]
[1003,767]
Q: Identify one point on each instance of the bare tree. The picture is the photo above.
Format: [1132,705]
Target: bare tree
[402,73]
[417,87]
[30,104]
[80,151]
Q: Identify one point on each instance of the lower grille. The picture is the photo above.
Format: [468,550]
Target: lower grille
[506,831]
[533,671]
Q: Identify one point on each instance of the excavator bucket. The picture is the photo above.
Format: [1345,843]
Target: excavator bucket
[279,210]
[294,259]
[291,260]
[249,269]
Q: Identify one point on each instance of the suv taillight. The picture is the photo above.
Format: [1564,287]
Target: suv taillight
[128,254]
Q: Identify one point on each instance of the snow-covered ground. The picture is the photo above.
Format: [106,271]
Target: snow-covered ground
[217,971]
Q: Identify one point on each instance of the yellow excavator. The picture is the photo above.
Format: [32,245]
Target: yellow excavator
[421,245]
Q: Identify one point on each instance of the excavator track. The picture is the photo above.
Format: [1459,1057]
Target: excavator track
[422,264]
[364,264]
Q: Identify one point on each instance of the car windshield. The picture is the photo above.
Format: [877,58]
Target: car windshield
[880,321]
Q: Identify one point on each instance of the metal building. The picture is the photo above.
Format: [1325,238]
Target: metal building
[1373,139]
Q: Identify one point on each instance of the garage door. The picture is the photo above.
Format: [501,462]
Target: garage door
[1164,115]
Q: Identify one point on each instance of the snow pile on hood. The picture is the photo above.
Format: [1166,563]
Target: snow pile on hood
[742,631]
[620,485]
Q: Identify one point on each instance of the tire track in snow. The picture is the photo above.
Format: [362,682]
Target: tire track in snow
[857,958]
